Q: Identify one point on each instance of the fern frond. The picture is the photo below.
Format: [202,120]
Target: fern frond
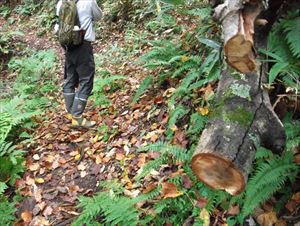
[268,178]
[177,114]
[142,88]
[263,153]
[292,29]
[5,125]
[178,153]
[152,165]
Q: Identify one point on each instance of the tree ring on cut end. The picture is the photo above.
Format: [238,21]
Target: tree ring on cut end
[218,173]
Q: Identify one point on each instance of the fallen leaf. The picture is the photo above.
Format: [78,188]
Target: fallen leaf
[48,211]
[26,216]
[81,166]
[281,223]
[77,157]
[169,190]
[201,202]
[36,157]
[233,210]
[141,160]
[203,111]
[149,188]
[204,216]
[39,180]
[120,156]
[83,174]
[187,182]
[98,159]
[34,167]
[267,219]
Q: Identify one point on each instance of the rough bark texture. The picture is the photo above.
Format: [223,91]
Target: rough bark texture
[237,17]
[242,120]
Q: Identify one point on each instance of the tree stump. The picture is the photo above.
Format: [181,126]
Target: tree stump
[243,118]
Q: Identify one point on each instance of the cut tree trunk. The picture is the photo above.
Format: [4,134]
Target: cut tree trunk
[243,119]
[237,17]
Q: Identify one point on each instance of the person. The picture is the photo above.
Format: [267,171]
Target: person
[80,65]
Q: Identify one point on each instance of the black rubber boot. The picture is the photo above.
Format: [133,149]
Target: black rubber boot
[69,99]
[77,110]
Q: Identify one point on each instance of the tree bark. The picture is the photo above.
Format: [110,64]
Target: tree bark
[243,119]
[237,17]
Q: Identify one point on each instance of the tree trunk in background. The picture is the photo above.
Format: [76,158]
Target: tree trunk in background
[244,118]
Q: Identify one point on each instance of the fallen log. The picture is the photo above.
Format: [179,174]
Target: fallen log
[243,118]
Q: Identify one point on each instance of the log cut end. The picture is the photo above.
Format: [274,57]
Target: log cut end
[239,53]
[218,173]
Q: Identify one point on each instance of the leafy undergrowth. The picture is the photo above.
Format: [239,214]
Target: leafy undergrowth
[153,94]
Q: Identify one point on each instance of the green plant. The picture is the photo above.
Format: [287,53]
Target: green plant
[284,53]
[10,164]
[5,11]
[113,208]
[28,7]
[106,82]
[7,211]
[13,113]
[6,40]
[269,176]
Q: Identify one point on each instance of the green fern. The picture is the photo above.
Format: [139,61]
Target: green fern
[7,210]
[115,209]
[292,29]
[168,152]
[179,112]
[142,88]
[177,153]
[268,178]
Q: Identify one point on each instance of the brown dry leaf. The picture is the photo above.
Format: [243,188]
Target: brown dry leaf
[169,190]
[120,156]
[81,166]
[233,210]
[296,197]
[132,193]
[201,202]
[142,160]
[158,100]
[180,138]
[291,205]
[37,193]
[208,92]
[297,158]
[79,140]
[48,211]
[133,140]
[267,219]
[149,188]
[34,167]
[26,216]
[187,182]
[281,223]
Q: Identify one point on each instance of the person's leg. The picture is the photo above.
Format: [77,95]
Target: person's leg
[85,67]
[70,83]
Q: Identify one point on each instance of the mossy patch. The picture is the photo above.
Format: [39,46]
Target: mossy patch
[240,115]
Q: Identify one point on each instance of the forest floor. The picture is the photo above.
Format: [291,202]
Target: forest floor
[63,163]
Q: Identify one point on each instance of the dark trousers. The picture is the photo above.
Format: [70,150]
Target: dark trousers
[79,71]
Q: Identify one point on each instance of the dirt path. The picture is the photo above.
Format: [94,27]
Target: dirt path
[63,164]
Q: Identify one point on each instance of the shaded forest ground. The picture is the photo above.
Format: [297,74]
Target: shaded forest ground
[63,164]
